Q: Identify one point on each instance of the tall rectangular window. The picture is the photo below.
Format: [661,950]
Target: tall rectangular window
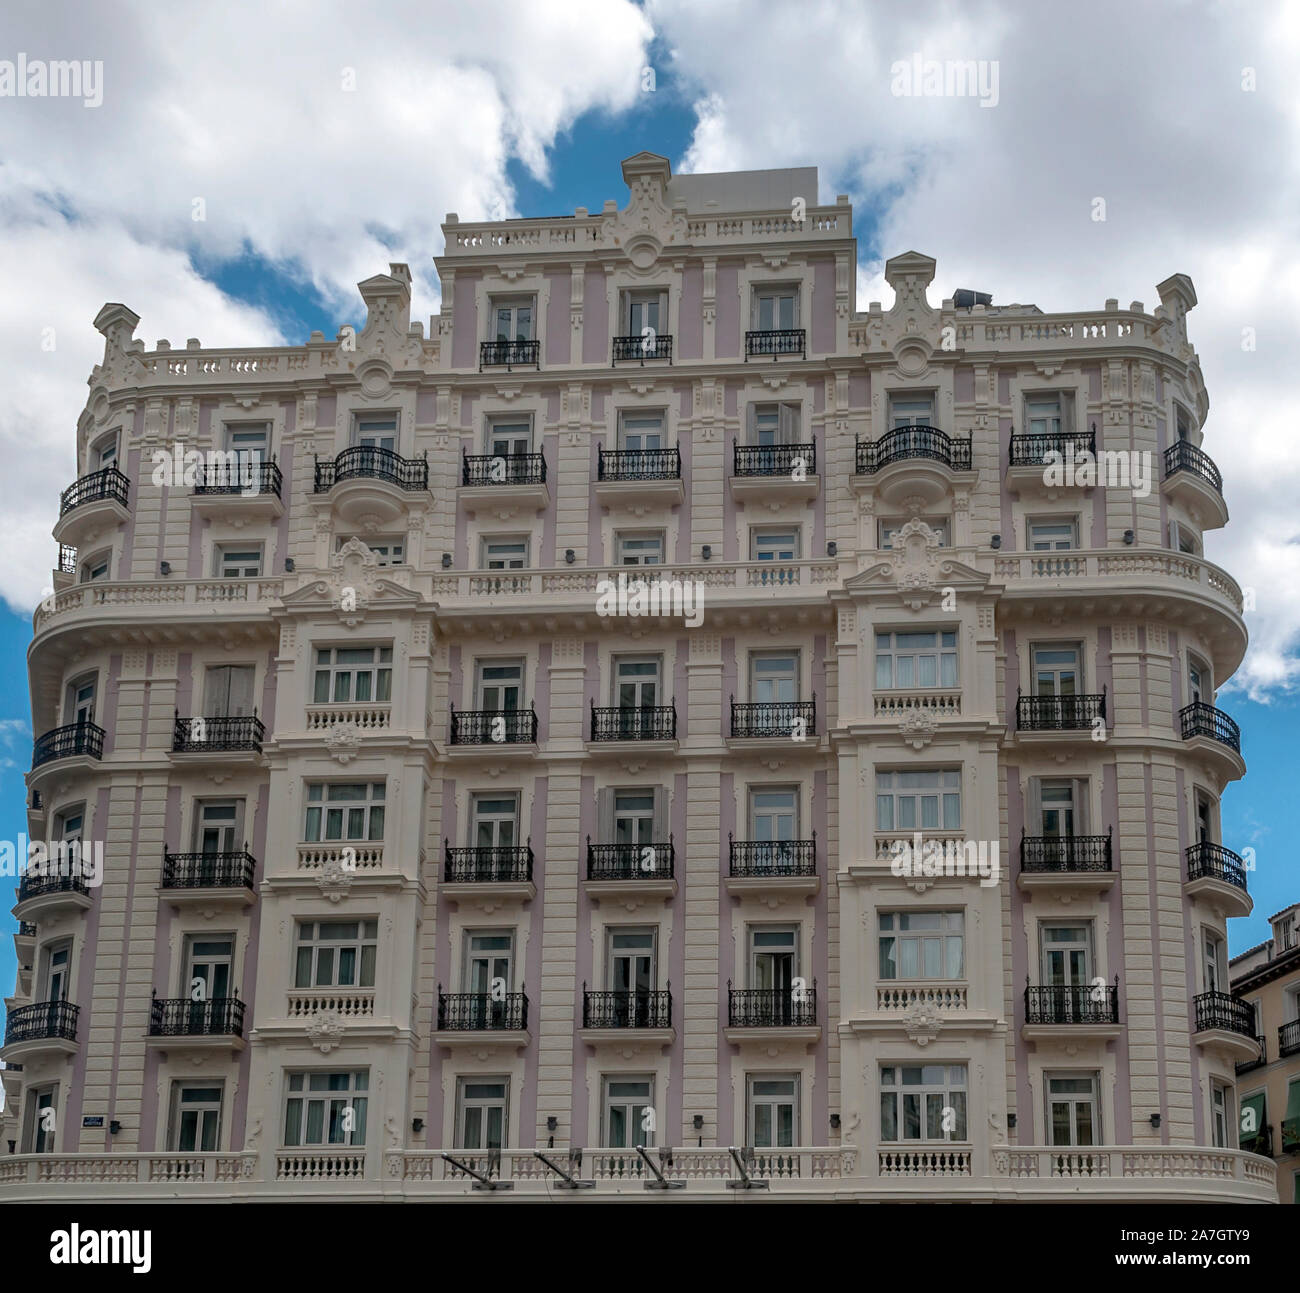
[482,1112]
[776,309]
[326,1108]
[228,690]
[194,1121]
[772,1116]
[624,1119]
[1073,1113]
[923,1102]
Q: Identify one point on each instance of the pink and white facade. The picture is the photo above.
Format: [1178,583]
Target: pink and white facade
[417,842]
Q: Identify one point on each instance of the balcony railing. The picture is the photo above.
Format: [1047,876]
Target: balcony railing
[774,459]
[181,1017]
[634,723]
[503,469]
[1182,455]
[249,477]
[35,885]
[1031,450]
[493,726]
[26,929]
[487,864]
[639,464]
[1073,1003]
[657,345]
[772,857]
[1244,1066]
[225,734]
[1065,854]
[1200,719]
[1059,713]
[776,341]
[374,463]
[913,442]
[1208,861]
[627,1008]
[509,354]
[64,742]
[630,861]
[1221,1010]
[46,1020]
[1260,1143]
[795,719]
[232,869]
[772,1007]
[109,484]
[67,559]
[479,1012]
[1288,1038]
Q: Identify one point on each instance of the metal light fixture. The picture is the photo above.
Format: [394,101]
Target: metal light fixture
[707,552]
[289,566]
[417,1125]
[832,548]
[835,1122]
[1128,537]
[1011,1122]
[1155,1120]
[995,542]
[569,558]
[165,567]
[446,560]
[551,1124]
[698,1124]
[114,1127]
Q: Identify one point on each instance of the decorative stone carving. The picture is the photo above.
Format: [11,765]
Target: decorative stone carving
[923,1023]
[918,728]
[343,741]
[325,1032]
[335,880]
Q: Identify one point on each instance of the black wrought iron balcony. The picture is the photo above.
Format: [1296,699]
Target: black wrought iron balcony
[249,477]
[1288,1038]
[1261,1142]
[749,858]
[67,559]
[776,341]
[26,929]
[627,1008]
[1182,455]
[1031,450]
[1059,713]
[1207,861]
[463,1012]
[364,461]
[227,870]
[794,719]
[35,885]
[639,464]
[64,742]
[1073,1003]
[223,734]
[653,345]
[772,1007]
[921,442]
[774,459]
[634,723]
[1244,1066]
[182,1017]
[1065,854]
[509,354]
[630,861]
[1223,1011]
[503,469]
[100,486]
[44,1021]
[487,864]
[494,726]
[1200,719]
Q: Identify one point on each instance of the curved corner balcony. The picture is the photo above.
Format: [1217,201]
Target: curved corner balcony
[1066,862]
[1218,875]
[44,1028]
[371,482]
[639,478]
[92,505]
[180,1023]
[42,895]
[509,354]
[238,488]
[1214,733]
[1192,480]
[1225,1023]
[911,461]
[72,741]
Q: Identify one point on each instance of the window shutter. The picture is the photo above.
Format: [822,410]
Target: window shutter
[789,423]
[1081,813]
[241,691]
[216,691]
[172,1138]
[661,815]
[751,424]
[1067,411]
[663,313]
[1034,809]
[605,816]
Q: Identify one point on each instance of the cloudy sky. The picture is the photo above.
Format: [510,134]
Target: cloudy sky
[320,141]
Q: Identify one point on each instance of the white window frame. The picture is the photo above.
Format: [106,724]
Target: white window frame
[326,942]
[513,302]
[906,406]
[239,560]
[886,529]
[895,649]
[370,426]
[377,674]
[629,1103]
[1074,1099]
[480,815]
[298,1089]
[323,801]
[772,1101]
[35,1139]
[913,944]
[917,786]
[1044,533]
[505,551]
[782,418]
[643,556]
[629,425]
[778,292]
[949,1083]
[389,549]
[177,1108]
[482,1104]
[96,566]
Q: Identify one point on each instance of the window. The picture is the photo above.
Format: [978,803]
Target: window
[916,660]
[627,1102]
[1073,1116]
[207,971]
[228,690]
[1199,688]
[1214,962]
[505,554]
[1054,535]
[1184,421]
[103,453]
[95,567]
[56,971]
[634,817]
[194,1122]
[887,529]
[1062,807]
[1205,832]
[80,699]
[1291,1118]
[41,1124]
[630,969]
[921,945]
[489,975]
[69,824]
[774,679]
[494,821]
[911,411]
[388,551]
[914,1099]
[336,954]
[778,547]
[774,814]
[1220,1115]
[776,308]
[773,424]
[498,685]
[637,431]
[773,958]
[238,562]
[509,437]
[217,825]
[1045,414]
[1056,670]
[512,318]
[772,1117]
[326,1108]
[644,309]
[907,801]
[636,682]
[249,441]
[353,675]
[639,549]
[482,1108]
[376,431]
[344,811]
[1182,538]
